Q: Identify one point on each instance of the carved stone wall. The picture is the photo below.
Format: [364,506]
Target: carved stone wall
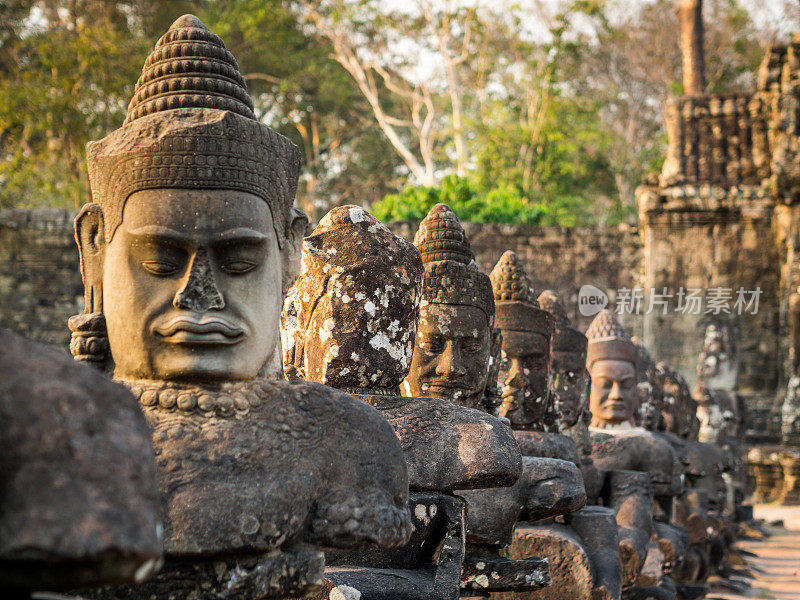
[40,282]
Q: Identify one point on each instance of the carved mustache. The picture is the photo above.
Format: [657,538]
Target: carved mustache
[201,326]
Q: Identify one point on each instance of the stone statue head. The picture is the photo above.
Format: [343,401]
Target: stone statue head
[649,388]
[569,379]
[718,364]
[456,317]
[190,240]
[350,318]
[611,360]
[526,329]
[679,408]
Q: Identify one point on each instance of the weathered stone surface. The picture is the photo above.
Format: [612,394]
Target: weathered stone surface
[346,319]
[546,445]
[274,429]
[449,447]
[630,495]
[491,573]
[80,498]
[597,528]
[269,576]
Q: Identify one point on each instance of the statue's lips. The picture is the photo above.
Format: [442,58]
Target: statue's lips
[445,385]
[205,330]
[615,405]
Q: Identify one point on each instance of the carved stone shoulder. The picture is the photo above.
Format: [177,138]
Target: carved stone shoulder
[638,450]
[303,461]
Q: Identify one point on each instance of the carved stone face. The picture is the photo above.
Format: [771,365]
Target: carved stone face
[613,398]
[524,372]
[568,380]
[451,354]
[192,285]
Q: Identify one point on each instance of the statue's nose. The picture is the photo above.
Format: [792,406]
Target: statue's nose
[199,292]
[450,362]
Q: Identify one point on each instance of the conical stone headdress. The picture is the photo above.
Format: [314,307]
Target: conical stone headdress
[565,337]
[191,125]
[608,340]
[515,303]
[451,275]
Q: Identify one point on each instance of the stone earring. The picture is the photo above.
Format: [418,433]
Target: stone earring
[89,341]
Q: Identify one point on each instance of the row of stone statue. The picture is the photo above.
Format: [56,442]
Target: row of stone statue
[345,415]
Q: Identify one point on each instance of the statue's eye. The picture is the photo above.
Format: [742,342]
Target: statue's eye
[472,346]
[602,382]
[159,267]
[238,267]
[432,346]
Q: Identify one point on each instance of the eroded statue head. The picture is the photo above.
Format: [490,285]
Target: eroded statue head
[569,378]
[526,329]
[190,239]
[456,318]
[611,360]
[350,318]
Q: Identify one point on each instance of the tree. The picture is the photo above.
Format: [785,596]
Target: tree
[66,74]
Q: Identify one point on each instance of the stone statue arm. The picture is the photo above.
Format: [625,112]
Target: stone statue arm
[552,487]
[365,498]
[630,495]
[450,447]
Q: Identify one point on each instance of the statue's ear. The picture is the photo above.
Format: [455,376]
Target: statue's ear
[292,339]
[296,227]
[90,236]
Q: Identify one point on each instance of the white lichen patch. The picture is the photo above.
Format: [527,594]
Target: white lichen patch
[370,307]
[326,330]
[344,592]
[480,565]
[357,214]
[397,350]
[331,353]
[421,512]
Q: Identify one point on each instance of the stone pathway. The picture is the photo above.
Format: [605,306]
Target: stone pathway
[773,562]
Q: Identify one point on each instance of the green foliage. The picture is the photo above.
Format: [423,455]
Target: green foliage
[499,205]
[60,86]
[502,203]
[68,67]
